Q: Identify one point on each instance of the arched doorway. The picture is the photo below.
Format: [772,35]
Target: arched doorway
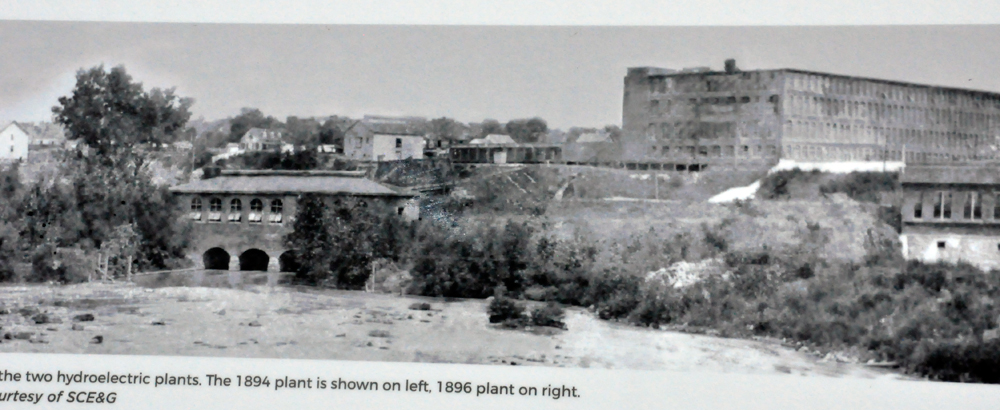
[254,259]
[215,258]
[287,262]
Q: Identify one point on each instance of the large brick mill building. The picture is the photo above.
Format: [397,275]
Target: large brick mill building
[699,117]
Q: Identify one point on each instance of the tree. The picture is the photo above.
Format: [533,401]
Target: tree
[614,132]
[355,235]
[490,126]
[338,245]
[527,130]
[445,128]
[111,187]
[332,131]
[10,192]
[250,118]
[470,261]
[112,114]
[302,131]
[309,240]
[10,182]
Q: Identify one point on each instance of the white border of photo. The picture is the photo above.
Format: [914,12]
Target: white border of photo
[515,12]
[597,388]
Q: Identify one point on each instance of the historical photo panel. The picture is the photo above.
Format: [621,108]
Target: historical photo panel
[817,202]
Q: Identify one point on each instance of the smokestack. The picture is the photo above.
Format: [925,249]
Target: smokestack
[731,66]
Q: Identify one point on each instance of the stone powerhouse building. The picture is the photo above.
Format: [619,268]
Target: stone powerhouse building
[697,117]
[951,214]
[240,218]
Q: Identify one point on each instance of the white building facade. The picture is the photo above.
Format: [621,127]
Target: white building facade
[14,143]
[384,147]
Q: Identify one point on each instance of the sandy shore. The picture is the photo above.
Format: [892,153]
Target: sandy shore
[284,322]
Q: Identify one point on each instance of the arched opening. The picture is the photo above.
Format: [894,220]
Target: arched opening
[254,259]
[215,258]
[287,262]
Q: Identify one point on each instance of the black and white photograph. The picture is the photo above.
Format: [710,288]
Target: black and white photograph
[793,201]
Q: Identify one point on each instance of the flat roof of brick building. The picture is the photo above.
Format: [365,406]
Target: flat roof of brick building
[987,174]
[291,183]
[664,72]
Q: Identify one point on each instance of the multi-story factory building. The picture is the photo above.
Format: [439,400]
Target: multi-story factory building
[696,117]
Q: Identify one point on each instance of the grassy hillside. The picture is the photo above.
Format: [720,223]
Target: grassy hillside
[841,224]
[531,189]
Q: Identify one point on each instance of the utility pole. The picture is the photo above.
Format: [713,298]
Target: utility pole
[191,175]
[885,152]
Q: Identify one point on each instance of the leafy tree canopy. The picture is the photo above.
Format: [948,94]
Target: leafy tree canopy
[110,189]
[111,113]
[527,130]
[446,128]
[251,118]
[490,126]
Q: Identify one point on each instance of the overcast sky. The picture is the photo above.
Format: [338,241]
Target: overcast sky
[568,76]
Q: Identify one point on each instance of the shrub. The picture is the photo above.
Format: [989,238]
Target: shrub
[378,333]
[778,185]
[614,294]
[954,362]
[505,310]
[47,264]
[863,186]
[657,307]
[550,315]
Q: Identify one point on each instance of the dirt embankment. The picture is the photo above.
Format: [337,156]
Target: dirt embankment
[569,182]
[279,322]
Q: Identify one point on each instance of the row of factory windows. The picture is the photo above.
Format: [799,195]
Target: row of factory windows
[235,215]
[664,105]
[942,201]
[862,153]
[714,151]
[848,153]
[832,85]
[807,152]
[872,89]
[514,154]
[952,116]
[891,136]
[689,84]
[694,129]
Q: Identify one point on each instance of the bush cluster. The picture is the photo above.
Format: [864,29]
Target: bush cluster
[861,186]
[511,314]
[506,311]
